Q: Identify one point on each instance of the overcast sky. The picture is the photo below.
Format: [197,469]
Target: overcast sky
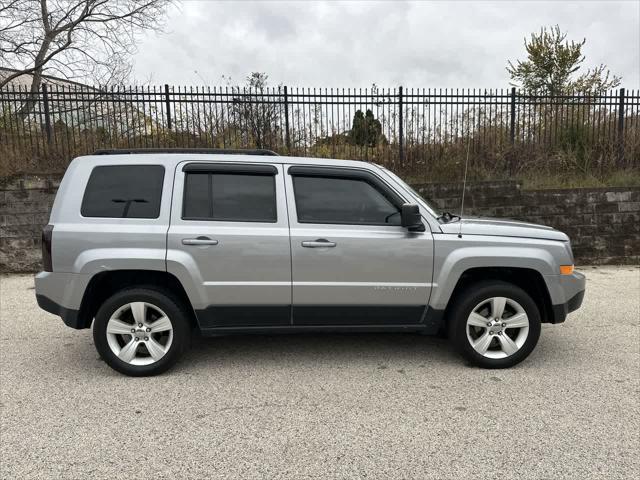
[355,44]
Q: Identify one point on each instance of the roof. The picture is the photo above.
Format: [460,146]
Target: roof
[26,78]
[228,151]
[172,159]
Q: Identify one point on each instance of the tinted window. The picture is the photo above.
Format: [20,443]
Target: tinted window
[230,197]
[196,198]
[124,191]
[341,200]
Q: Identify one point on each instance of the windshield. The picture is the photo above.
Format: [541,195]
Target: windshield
[426,204]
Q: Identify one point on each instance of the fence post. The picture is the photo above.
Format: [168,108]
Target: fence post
[287,138]
[47,116]
[621,128]
[512,126]
[167,105]
[401,128]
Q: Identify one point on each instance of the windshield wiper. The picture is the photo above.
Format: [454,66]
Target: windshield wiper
[447,217]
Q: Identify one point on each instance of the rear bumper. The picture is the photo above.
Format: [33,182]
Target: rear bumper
[69,316]
[61,294]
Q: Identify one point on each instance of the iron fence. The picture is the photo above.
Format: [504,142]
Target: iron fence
[420,132]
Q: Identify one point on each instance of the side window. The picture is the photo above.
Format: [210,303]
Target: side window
[123,191]
[342,201]
[231,197]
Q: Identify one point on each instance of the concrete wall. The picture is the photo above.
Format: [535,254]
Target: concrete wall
[603,223]
[25,203]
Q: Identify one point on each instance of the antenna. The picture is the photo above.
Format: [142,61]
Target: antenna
[464,187]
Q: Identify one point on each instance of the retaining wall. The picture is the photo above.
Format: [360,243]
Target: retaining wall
[603,223]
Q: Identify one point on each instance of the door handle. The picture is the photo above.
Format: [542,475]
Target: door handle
[319,243]
[199,241]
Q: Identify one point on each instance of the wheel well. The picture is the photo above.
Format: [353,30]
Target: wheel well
[529,280]
[105,284]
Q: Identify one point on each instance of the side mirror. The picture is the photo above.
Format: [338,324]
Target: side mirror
[411,218]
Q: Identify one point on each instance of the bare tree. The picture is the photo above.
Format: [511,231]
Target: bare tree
[16,18]
[86,39]
[259,110]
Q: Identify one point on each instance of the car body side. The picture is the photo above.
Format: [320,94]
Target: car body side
[89,248]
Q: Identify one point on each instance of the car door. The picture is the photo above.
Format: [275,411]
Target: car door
[229,243]
[352,262]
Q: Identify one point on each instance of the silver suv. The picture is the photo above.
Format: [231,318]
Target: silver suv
[148,246]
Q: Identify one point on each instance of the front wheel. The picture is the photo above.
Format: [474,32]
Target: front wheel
[141,331]
[494,324]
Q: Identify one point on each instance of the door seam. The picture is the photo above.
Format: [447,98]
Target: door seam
[286,205]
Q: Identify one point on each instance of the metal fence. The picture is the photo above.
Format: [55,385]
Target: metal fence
[420,132]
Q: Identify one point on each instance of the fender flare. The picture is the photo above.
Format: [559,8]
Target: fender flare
[463,259]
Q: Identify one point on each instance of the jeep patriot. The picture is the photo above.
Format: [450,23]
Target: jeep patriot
[146,247]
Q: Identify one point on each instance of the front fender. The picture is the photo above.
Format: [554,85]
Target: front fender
[454,256]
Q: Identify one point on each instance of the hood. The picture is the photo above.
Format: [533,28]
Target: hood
[503,228]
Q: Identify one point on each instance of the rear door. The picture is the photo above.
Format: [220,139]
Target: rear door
[229,241]
[352,262]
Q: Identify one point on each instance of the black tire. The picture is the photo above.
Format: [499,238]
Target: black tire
[173,309]
[473,295]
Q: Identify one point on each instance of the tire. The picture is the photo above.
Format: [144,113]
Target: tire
[508,341]
[155,346]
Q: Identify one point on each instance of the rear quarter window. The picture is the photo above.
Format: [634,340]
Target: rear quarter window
[123,191]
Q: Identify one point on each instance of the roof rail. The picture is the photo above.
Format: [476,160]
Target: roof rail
[225,151]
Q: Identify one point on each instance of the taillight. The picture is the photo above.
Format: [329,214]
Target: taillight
[47,233]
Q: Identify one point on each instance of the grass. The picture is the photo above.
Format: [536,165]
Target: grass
[536,166]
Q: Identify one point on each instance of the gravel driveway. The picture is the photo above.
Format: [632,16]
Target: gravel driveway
[326,406]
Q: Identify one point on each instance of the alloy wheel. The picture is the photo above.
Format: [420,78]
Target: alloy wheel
[497,327]
[139,333]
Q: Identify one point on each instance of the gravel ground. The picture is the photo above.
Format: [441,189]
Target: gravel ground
[326,406]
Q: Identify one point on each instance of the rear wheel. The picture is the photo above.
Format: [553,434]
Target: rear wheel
[494,324]
[141,331]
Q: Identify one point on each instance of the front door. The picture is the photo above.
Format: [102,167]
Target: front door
[352,262]
[228,243]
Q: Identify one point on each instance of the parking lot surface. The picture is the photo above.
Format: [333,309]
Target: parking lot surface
[326,406]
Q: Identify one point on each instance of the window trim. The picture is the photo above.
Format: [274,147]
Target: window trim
[162,190]
[346,174]
[231,168]
[210,169]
